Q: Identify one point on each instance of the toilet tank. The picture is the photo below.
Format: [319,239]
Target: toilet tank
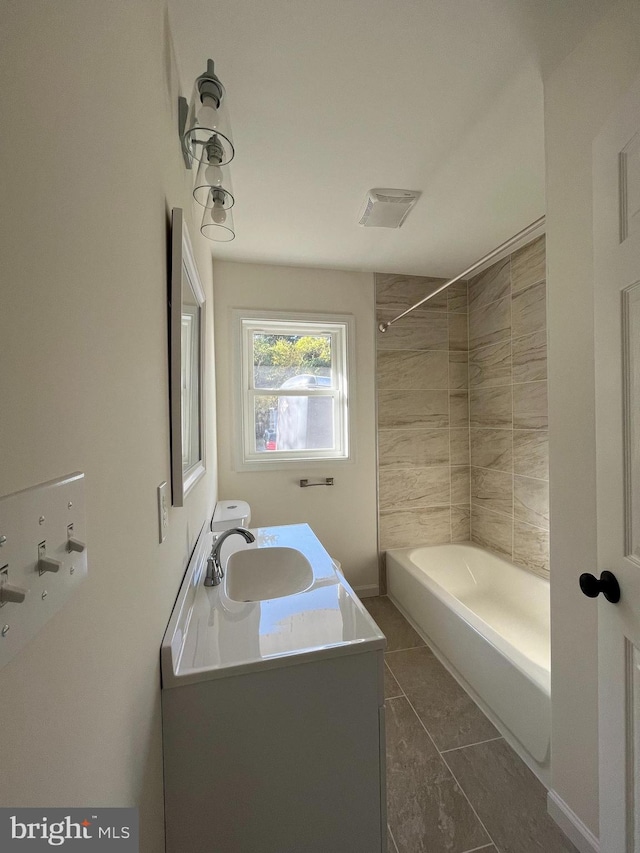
[230,513]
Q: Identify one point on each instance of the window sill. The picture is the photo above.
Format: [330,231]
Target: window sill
[301,466]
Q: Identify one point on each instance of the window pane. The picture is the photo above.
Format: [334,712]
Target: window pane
[293,423]
[294,380]
[265,420]
[300,361]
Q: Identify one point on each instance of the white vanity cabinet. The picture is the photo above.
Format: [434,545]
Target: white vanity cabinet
[281,761]
[273,718]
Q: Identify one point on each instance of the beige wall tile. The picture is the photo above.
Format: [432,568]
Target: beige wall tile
[531,453]
[530,406]
[415,331]
[492,284]
[490,366]
[492,490]
[499,426]
[528,264]
[460,484]
[414,487]
[399,292]
[458,332]
[490,323]
[457,297]
[491,530]
[459,446]
[409,448]
[408,370]
[529,310]
[529,354]
[531,548]
[406,527]
[491,408]
[492,448]
[413,409]
[460,523]
[531,501]
[459,408]
[458,370]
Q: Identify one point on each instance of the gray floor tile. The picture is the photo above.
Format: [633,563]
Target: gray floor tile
[427,811]
[509,799]
[399,634]
[391,686]
[449,714]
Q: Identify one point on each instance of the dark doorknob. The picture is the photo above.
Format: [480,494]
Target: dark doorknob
[607,585]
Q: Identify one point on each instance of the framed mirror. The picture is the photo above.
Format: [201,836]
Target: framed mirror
[186,366]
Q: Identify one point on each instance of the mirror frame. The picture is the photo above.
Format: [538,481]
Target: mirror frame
[183,272]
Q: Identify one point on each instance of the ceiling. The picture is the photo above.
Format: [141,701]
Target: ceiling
[328,99]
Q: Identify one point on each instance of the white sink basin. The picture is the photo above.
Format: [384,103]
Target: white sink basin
[257,574]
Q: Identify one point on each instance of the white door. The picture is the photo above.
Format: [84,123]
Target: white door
[616,211]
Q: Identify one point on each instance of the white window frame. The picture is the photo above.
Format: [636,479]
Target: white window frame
[340,328]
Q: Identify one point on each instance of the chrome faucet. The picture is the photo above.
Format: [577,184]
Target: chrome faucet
[215,572]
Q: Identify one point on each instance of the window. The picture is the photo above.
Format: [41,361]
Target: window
[294,388]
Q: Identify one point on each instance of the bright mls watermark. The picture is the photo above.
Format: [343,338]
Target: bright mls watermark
[102,830]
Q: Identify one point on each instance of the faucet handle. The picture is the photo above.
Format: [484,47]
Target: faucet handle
[214,539]
[212,576]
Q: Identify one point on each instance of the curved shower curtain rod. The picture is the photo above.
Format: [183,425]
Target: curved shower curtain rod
[501,248]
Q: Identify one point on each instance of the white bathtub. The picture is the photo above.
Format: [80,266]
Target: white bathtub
[489,622]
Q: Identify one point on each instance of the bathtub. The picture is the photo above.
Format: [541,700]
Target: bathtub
[488,621]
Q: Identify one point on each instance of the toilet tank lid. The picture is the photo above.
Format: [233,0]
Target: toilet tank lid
[230,510]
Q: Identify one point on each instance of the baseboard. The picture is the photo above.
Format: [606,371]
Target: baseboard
[569,822]
[367,591]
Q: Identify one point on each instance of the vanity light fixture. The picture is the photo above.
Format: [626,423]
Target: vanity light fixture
[206,140]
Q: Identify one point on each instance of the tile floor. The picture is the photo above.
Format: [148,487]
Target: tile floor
[453,784]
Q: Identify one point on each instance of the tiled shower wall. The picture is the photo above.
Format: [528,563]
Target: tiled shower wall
[423,414]
[508,408]
[429,432]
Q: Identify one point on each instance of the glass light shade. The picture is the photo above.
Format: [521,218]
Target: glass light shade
[207,118]
[210,177]
[217,224]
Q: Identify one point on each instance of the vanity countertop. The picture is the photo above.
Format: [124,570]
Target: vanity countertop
[211,636]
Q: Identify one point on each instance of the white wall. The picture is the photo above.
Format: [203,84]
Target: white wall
[343,516]
[91,166]
[578,97]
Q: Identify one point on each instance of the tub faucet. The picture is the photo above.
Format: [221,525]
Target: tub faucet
[215,572]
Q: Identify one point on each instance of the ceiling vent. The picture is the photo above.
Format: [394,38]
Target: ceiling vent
[387,208]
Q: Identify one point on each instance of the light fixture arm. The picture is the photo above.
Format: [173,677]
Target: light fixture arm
[209,86]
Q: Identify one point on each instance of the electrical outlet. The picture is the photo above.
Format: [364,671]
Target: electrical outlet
[163,511]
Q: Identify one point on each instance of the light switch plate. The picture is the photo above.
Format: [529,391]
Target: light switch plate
[163,511]
[41,514]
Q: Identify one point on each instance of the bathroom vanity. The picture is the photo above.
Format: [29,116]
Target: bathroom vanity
[273,707]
